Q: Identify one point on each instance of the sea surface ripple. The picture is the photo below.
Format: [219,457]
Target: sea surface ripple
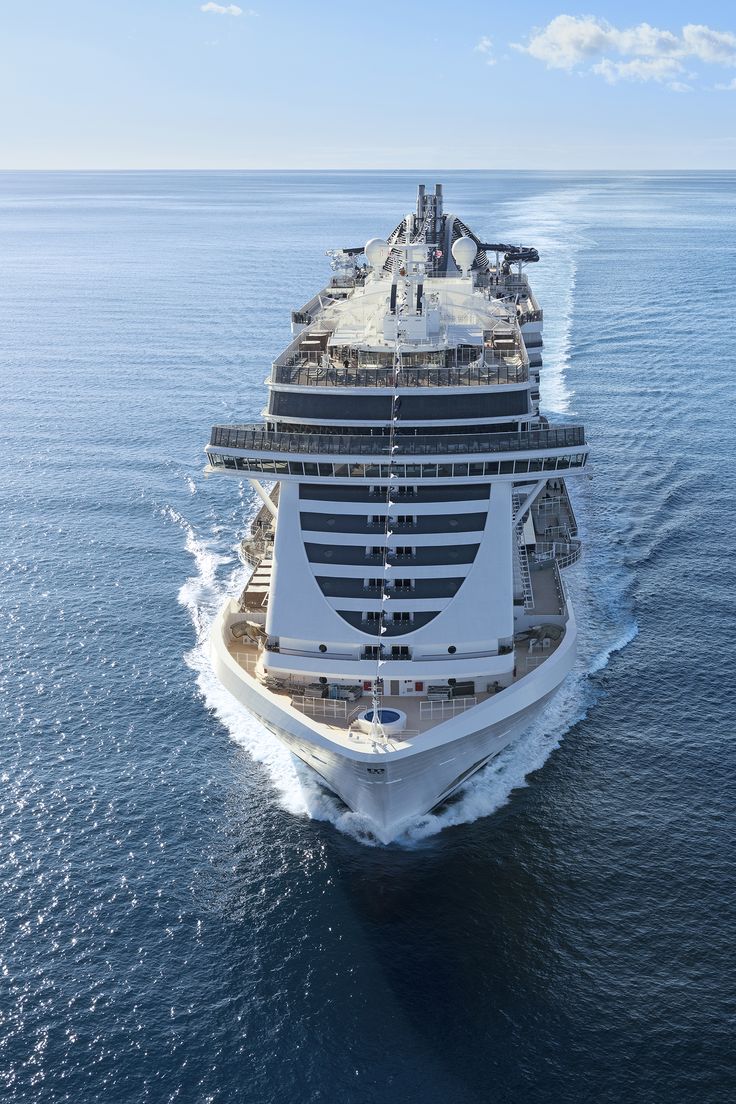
[186,915]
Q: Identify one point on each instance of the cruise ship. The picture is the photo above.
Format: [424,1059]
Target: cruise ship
[405,618]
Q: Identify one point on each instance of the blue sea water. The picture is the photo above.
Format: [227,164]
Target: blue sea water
[185,917]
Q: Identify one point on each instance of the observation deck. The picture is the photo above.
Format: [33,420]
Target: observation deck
[253,450]
[308,370]
[253,437]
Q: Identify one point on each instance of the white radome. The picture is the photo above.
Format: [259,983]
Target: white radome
[464,252]
[376,252]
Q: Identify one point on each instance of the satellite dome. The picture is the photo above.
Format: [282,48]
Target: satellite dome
[464,252]
[376,252]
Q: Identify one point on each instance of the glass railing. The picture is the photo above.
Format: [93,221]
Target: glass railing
[479,374]
[258,439]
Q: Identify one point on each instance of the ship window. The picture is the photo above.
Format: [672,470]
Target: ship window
[373,584]
[403,551]
[402,618]
[372,615]
[405,519]
[399,651]
[402,584]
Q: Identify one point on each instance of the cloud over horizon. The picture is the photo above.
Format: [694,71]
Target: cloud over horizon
[638,53]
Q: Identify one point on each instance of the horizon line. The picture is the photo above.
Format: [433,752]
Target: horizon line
[358,169]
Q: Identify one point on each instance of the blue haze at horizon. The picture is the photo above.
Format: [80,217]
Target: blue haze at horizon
[169,932]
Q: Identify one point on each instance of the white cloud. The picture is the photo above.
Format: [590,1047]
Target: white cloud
[568,40]
[638,69]
[730,87]
[223,9]
[715,47]
[639,53]
[485,47]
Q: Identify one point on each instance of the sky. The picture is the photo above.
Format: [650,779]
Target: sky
[378,84]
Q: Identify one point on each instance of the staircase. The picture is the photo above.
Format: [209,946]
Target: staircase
[522,574]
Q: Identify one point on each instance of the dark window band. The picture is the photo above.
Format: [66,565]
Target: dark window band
[423,556]
[356,408]
[360,523]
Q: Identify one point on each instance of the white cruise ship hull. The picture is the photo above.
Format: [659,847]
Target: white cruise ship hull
[391,788]
[406,618]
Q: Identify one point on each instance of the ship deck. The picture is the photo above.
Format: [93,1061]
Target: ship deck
[336,719]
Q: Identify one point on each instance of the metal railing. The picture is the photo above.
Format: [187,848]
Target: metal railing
[428,710]
[247,660]
[322,707]
[556,532]
[255,438]
[564,553]
[556,509]
[530,663]
[512,285]
[254,549]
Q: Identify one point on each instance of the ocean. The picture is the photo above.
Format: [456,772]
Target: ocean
[186,916]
